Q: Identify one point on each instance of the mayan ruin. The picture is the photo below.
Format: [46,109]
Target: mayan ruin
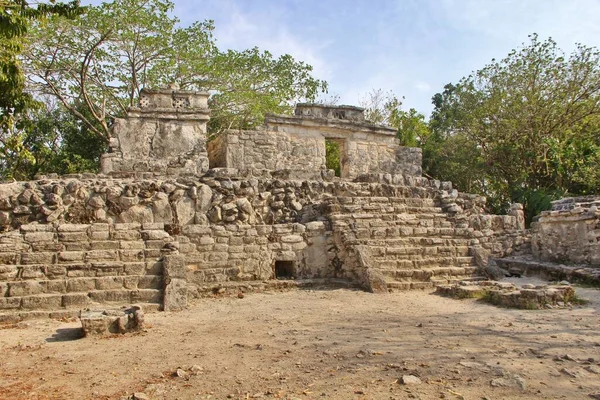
[299,200]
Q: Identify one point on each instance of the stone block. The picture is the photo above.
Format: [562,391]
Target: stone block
[81,285]
[8,272]
[42,302]
[110,322]
[94,255]
[150,282]
[104,245]
[292,239]
[175,295]
[99,227]
[130,245]
[116,296]
[72,236]
[174,266]
[9,258]
[56,286]
[131,255]
[126,235]
[154,267]
[37,258]
[154,235]
[25,288]
[130,282]
[75,300]
[100,235]
[127,226]
[70,256]
[135,268]
[147,296]
[76,246]
[109,283]
[9,303]
[73,227]
[32,272]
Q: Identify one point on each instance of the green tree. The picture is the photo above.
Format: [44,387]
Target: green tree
[103,59]
[530,122]
[16,16]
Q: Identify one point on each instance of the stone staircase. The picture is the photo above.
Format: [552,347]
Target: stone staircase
[50,271]
[410,242]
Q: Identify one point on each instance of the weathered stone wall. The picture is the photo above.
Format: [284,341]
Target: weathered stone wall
[254,151]
[165,135]
[158,227]
[570,233]
[62,268]
[234,229]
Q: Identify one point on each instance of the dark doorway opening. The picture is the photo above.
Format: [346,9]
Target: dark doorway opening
[332,156]
[284,270]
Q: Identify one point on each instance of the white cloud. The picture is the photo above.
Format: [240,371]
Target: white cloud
[241,31]
[423,86]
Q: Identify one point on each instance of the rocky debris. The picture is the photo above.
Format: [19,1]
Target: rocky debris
[410,380]
[506,294]
[593,369]
[137,396]
[509,381]
[527,265]
[109,322]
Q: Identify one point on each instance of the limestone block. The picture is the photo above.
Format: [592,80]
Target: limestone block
[174,266]
[185,210]
[138,213]
[37,258]
[292,239]
[161,208]
[81,284]
[75,300]
[126,235]
[9,303]
[214,214]
[107,322]
[25,288]
[175,295]
[42,302]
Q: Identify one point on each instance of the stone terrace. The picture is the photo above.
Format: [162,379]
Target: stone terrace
[159,227]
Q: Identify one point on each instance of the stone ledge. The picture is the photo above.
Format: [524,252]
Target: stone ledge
[506,294]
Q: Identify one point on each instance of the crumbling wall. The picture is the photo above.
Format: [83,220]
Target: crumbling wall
[264,150]
[47,268]
[165,135]
[570,233]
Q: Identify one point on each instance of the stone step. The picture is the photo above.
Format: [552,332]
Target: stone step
[398,252]
[15,316]
[408,200]
[61,301]
[76,285]
[424,263]
[76,270]
[392,232]
[430,284]
[389,209]
[418,241]
[427,274]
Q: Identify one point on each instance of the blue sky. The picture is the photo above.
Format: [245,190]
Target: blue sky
[411,47]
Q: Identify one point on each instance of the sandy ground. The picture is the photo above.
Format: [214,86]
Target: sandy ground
[308,344]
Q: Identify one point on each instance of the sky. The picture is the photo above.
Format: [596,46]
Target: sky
[409,47]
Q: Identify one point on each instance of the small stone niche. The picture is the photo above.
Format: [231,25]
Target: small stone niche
[285,270]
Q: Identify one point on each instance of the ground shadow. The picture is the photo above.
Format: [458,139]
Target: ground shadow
[66,335]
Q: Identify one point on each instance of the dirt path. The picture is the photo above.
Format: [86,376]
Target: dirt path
[330,344]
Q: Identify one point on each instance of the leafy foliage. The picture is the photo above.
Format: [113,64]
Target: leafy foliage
[332,156]
[15,19]
[528,123]
[105,57]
